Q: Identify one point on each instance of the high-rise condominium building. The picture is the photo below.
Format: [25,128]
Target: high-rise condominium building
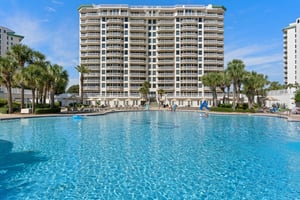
[170,47]
[291,53]
[8,38]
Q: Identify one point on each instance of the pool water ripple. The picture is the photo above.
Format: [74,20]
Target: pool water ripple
[151,155]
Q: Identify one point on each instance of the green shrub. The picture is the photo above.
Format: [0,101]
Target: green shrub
[47,110]
[297,96]
[3,110]
[3,102]
[42,105]
[222,109]
[226,105]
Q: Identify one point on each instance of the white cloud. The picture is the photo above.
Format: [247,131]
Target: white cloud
[49,9]
[57,2]
[265,59]
[260,60]
[59,44]
[31,28]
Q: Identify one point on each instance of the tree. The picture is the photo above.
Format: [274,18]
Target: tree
[8,66]
[144,90]
[39,59]
[253,85]
[235,70]
[23,55]
[73,89]
[297,96]
[82,69]
[275,85]
[225,82]
[32,76]
[212,80]
[57,77]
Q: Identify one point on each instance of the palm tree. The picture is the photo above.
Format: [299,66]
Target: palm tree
[82,69]
[8,66]
[32,76]
[235,70]
[23,55]
[160,92]
[39,59]
[212,80]
[57,78]
[225,82]
[144,90]
[275,85]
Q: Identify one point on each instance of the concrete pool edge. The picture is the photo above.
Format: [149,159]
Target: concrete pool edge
[290,117]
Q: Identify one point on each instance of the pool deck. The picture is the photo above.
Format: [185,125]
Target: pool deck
[289,117]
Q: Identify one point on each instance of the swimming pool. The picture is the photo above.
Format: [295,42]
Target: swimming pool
[148,155]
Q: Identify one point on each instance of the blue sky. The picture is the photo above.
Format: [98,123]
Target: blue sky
[253,29]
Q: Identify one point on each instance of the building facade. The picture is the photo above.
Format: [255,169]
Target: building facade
[8,38]
[170,47]
[291,53]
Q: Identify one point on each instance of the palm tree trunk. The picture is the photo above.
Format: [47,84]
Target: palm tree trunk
[9,96]
[22,96]
[52,97]
[33,101]
[81,89]
[234,97]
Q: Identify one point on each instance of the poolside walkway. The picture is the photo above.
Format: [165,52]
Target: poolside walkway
[289,117]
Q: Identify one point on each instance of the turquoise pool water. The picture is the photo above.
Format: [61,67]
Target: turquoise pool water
[150,155]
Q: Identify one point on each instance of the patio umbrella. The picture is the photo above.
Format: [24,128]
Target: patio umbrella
[270,98]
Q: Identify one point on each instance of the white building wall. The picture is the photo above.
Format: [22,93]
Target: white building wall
[292,53]
[282,97]
[8,38]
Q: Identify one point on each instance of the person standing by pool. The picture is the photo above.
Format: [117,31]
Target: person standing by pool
[174,107]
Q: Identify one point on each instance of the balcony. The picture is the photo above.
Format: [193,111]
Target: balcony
[114,27]
[189,21]
[115,21]
[165,75]
[160,22]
